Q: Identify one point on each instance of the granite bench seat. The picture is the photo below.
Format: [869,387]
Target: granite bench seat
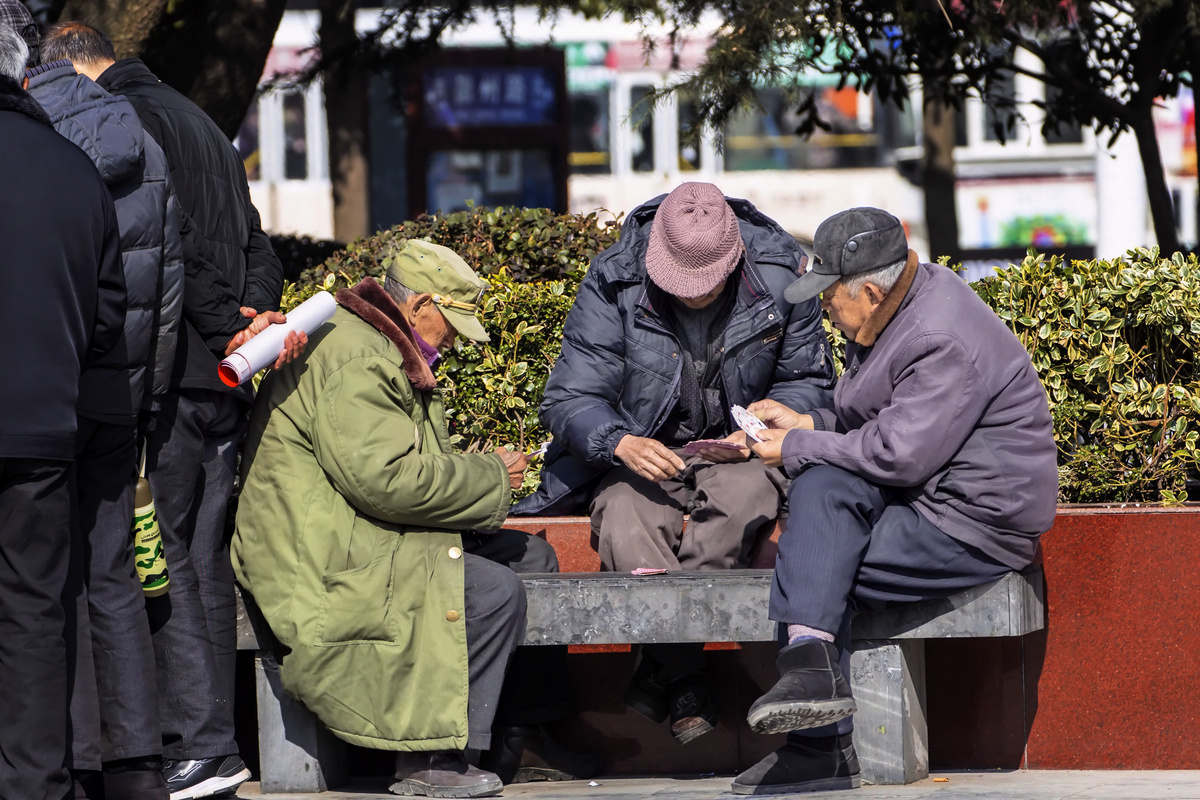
[600,608]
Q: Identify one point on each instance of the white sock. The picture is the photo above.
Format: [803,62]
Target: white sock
[798,632]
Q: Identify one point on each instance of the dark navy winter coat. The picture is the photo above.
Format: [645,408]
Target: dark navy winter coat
[620,368]
[133,166]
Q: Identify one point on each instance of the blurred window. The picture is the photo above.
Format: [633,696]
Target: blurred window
[766,139]
[295,137]
[590,153]
[641,118]
[247,144]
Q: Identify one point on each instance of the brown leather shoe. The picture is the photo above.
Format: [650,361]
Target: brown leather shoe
[525,753]
[444,773]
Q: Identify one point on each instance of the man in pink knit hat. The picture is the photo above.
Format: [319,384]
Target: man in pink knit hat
[681,319]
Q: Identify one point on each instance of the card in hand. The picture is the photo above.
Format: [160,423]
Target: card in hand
[748,422]
[692,448]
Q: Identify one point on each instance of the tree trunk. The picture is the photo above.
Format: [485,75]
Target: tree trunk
[213,51]
[941,211]
[345,88]
[1162,210]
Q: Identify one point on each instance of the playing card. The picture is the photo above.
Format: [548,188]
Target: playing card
[748,422]
[692,448]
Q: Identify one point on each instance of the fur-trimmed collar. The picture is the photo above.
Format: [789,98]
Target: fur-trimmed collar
[14,98]
[884,312]
[370,303]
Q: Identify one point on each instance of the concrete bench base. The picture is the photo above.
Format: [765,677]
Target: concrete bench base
[887,663]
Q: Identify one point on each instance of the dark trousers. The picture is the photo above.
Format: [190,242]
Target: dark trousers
[192,449]
[114,705]
[849,546]
[537,689]
[36,630]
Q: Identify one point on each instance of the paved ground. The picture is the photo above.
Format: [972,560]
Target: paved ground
[1023,785]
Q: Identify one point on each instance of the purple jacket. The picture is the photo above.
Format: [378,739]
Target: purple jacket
[940,400]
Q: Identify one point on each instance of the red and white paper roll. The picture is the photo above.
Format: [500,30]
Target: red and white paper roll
[263,349]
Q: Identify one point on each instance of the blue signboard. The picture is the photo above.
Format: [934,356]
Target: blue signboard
[472,97]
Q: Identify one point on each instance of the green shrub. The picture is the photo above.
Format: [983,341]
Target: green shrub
[534,260]
[1115,344]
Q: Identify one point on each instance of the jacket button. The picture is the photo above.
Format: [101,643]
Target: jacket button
[455,553]
[770,316]
[674,355]
[452,616]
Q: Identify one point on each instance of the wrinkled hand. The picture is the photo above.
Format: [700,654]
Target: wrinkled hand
[728,456]
[516,463]
[777,415]
[293,345]
[649,458]
[770,450]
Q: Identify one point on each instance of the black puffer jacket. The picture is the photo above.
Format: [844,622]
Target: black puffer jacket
[134,168]
[228,259]
[619,372]
[63,304]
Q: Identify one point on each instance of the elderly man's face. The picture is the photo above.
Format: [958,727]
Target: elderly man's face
[704,299]
[847,313]
[429,323]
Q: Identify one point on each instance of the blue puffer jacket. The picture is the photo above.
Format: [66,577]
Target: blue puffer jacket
[134,168]
[619,372]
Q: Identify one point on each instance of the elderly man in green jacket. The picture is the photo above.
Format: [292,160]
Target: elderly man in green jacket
[356,534]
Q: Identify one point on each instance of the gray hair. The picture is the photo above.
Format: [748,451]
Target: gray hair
[397,290]
[883,277]
[13,53]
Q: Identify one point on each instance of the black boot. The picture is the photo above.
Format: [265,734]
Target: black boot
[810,692]
[694,707]
[803,765]
[523,753]
[647,691]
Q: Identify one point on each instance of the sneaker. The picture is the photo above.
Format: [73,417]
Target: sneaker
[647,692]
[204,777]
[811,690]
[442,774]
[694,707]
[521,754]
[815,764]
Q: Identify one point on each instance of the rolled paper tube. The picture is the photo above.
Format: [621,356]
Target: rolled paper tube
[263,349]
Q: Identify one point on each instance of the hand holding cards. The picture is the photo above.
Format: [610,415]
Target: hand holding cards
[748,422]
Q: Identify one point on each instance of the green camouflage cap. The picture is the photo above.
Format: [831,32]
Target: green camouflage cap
[439,271]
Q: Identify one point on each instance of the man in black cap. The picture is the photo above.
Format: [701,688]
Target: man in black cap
[934,471]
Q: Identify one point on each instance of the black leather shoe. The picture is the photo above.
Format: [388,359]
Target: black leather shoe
[694,707]
[521,754]
[647,692]
[811,690]
[442,774]
[818,764]
[204,777]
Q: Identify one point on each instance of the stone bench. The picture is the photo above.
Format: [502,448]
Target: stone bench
[887,665]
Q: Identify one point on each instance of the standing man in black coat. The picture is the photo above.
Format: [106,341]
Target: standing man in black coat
[232,287]
[63,308]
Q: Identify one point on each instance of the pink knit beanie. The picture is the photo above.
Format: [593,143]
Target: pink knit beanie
[694,241]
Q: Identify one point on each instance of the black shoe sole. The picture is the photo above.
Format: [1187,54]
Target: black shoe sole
[784,717]
[410,788]
[819,785]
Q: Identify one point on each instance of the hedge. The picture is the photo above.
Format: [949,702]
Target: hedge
[1115,343]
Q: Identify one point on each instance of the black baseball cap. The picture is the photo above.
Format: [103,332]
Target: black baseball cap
[849,242]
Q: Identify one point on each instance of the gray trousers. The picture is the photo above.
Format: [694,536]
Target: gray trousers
[639,523]
[191,460]
[114,703]
[536,689]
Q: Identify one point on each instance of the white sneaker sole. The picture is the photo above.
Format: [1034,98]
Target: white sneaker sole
[213,787]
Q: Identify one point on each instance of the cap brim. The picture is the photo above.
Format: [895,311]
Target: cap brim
[466,323]
[808,286]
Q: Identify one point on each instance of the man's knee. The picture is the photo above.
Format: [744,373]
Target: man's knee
[819,484]
[540,556]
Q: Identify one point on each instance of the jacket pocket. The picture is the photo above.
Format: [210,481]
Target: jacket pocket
[357,604]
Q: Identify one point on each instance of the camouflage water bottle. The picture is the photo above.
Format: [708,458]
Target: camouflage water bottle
[148,554]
